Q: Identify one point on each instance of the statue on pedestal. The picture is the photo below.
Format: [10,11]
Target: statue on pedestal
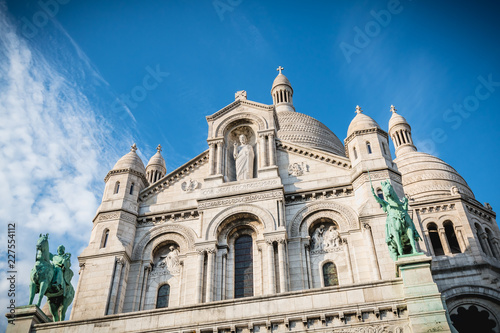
[400,232]
[52,278]
[244,158]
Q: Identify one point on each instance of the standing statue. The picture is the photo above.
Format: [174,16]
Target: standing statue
[317,238]
[400,232]
[244,157]
[171,259]
[52,279]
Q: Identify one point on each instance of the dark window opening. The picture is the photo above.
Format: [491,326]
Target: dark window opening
[330,277]
[243,272]
[163,296]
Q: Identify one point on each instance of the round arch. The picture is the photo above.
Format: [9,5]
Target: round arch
[263,215]
[251,118]
[344,216]
[159,234]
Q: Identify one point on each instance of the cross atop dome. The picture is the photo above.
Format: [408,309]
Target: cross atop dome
[133,147]
[279,69]
[158,149]
[393,109]
[358,109]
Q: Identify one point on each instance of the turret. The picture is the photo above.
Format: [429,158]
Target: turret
[156,167]
[400,132]
[282,93]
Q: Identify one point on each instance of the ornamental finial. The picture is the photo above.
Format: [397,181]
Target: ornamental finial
[158,149]
[358,109]
[133,147]
[393,109]
[279,69]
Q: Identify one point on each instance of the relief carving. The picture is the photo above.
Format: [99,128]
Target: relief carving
[190,185]
[298,169]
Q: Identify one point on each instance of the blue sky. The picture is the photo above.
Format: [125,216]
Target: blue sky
[66,66]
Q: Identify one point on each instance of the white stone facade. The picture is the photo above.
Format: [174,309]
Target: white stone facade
[308,206]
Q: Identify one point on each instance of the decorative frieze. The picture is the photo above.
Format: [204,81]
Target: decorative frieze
[117,215]
[240,199]
[319,195]
[435,209]
[478,212]
[170,217]
[250,186]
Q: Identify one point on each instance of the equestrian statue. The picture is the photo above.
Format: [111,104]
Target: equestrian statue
[400,232]
[51,277]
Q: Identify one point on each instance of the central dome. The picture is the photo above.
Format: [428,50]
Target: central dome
[308,132]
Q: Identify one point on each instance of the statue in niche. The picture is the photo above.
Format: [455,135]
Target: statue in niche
[317,238]
[170,260]
[243,157]
[332,238]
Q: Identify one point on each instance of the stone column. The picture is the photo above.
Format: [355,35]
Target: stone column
[308,264]
[220,145]
[272,150]
[281,213]
[211,157]
[80,272]
[373,254]
[270,266]
[484,238]
[119,262]
[348,259]
[428,243]
[282,269]
[145,278]
[181,278]
[262,151]
[460,239]
[210,275]
[223,275]
[444,241]
[199,275]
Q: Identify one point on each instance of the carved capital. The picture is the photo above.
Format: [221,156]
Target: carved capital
[120,260]
[367,226]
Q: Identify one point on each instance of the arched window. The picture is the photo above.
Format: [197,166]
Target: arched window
[132,188]
[104,240]
[243,270]
[117,187]
[380,194]
[451,237]
[435,240]
[490,242]
[479,233]
[330,277]
[369,147]
[163,296]
[355,153]
[384,149]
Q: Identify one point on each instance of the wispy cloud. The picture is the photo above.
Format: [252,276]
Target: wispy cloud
[55,148]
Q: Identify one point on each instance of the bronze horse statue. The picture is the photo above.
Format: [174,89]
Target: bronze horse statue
[52,279]
[400,232]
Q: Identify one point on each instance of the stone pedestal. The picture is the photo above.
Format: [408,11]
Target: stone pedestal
[25,318]
[268,172]
[425,307]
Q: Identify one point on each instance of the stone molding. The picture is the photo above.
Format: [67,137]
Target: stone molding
[163,230]
[323,194]
[179,216]
[312,153]
[346,217]
[365,131]
[240,199]
[174,176]
[238,188]
[264,216]
[245,116]
[128,170]
[375,175]
[116,215]
[236,104]
[435,209]
[478,212]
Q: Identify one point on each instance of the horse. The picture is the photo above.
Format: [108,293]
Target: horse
[400,232]
[43,282]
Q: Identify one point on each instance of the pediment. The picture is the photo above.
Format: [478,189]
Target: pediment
[239,104]
[314,154]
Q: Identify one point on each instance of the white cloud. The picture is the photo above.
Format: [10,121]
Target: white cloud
[55,149]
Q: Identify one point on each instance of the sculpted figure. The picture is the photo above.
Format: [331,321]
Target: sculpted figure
[317,238]
[244,157]
[400,231]
[171,259]
[52,278]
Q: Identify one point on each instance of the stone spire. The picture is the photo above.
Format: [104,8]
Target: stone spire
[400,133]
[282,92]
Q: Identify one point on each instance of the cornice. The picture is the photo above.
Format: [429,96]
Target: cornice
[120,171]
[174,176]
[236,104]
[312,153]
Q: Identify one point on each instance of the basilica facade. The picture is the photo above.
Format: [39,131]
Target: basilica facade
[274,228]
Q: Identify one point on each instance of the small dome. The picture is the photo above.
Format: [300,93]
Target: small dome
[130,161]
[426,176]
[306,131]
[361,122]
[396,119]
[157,159]
[281,79]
